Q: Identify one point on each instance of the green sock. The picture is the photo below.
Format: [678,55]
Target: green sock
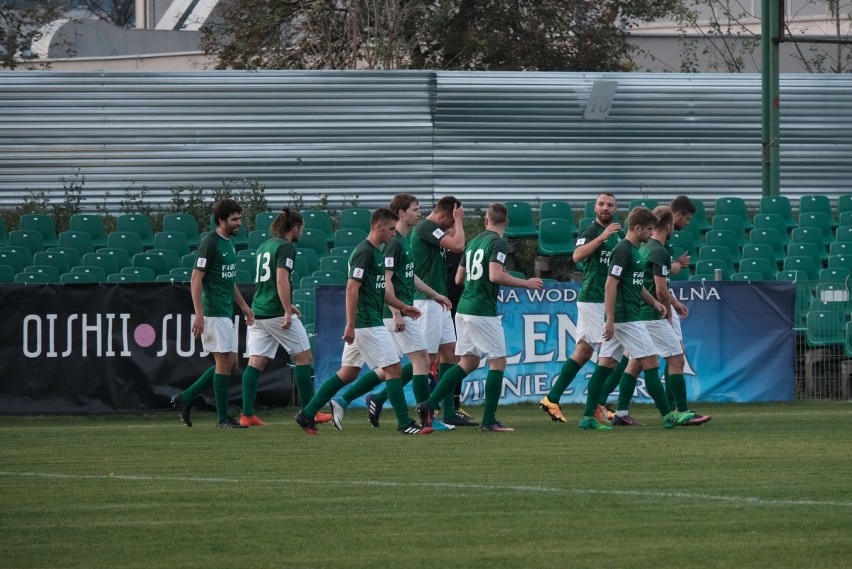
[397,399]
[596,385]
[626,387]
[202,383]
[670,396]
[656,390]
[221,383]
[493,387]
[420,386]
[613,380]
[360,388]
[445,386]
[407,375]
[677,384]
[448,404]
[327,390]
[250,376]
[305,384]
[566,376]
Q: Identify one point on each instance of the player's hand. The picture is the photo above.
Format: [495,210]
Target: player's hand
[661,309]
[443,301]
[535,284]
[398,323]
[288,320]
[349,333]
[611,229]
[411,312]
[198,325]
[458,213]
[247,312]
[608,331]
[681,310]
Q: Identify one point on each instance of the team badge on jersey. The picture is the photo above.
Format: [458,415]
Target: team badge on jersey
[665,271]
[201,262]
[358,273]
[581,241]
[501,257]
[388,262]
[289,263]
[438,233]
[616,270]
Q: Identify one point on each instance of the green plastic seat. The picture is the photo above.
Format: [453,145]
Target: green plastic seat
[763,267]
[844,203]
[335,277]
[716,253]
[144,273]
[556,237]
[733,223]
[30,239]
[706,269]
[521,224]
[257,238]
[762,251]
[747,276]
[92,224]
[44,224]
[314,239]
[33,278]
[12,259]
[817,220]
[176,241]
[768,237]
[57,260]
[79,240]
[122,257]
[98,273]
[73,255]
[780,206]
[355,217]
[840,261]
[811,235]
[808,265]
[333,263]
[263,221]
[685,241]
[7,273]
[155,263]
[49,270]
[825,328]
[320,220]
[124,278]
[138,223]
[185,223]
[348,237]
[818,203]
[698,225]
[311,259]
[77,278]
[724,238]
[130,241]
[730,205]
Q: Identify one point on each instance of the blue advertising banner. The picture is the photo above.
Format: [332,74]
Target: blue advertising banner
[739,339]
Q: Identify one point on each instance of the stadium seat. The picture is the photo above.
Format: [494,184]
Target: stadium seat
[335,264]
[145,274]
[12,259]
[137,223]
[96,272]
[834,297]
[30,239]
[156,263]
[556,209]
[716,253]
[177,241]
[311,259]
[316,219]
[683,275]
[188,260]
[845,219]
[32,278]
[123,278]
[348,237]
[706,269]
[803,296]
[182,223]
[685,241]
[257,238]
[844,203]
[761,251]
[336,277]
[122,257]
[807,250]
[49,270]
[584,223]
[314,239]
[300,268]
[747,276]
[169,278]
[171,258]
[734,223]
[79,240]
[825,328]
[73,255]
[820,221]
[521,223]
[698,225]
[130,241]
[244,263]
[730,205]
[263,220]
[589,209]
[772,221]
[809,235]
[840,261]
[7,273]
[245,278]
[768,237]
[91,224]
[44,224]
[341,251]
[843,234]
[840,248]
[57,260]
[835,275]
[25,255]
[808,265]
[816,203]
[724,238]
[4,236]
[778,205]
[644,202]
[107,262]
[765,268]
[312,281]
[77,278]
[355,217]
[556,237]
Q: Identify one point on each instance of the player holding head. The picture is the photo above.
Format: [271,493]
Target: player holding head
[214,291]
[480,329]
[276,318]
[365,336]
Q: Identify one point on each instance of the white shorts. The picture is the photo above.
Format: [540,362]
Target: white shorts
[632,338]
[676,325]
[266,334]
[373,346]
[590,323]
[409,340]
[664,337]
[219,335]
[480,336]
[437,324]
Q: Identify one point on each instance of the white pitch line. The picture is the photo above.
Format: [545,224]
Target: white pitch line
[747,500]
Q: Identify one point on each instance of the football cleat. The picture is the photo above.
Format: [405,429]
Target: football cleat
[676,418]
[552,409]
[183,408]
[230,423]
[425,414]
[374,410]
[625,421]
[414,429]
[308,425]
[251,421]
[590,423]
[497,427]
[337,411]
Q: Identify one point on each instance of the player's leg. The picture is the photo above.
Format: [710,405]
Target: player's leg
[626,388]
[610,352]
[183,401]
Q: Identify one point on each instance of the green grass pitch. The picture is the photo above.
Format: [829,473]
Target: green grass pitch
[761,485]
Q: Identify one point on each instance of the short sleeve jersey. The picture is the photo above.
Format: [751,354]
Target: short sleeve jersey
[625,264]
[398,259]
[217,259]
[479,297]
[657,260]
[273,254]
[367,266]
[428,258]
[596,265]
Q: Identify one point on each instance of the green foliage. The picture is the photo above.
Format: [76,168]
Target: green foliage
[72,202]
[249,193]
[768,483]
[21,24]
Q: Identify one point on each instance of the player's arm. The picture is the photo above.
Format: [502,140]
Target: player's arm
[454,240]
[353,287]
[394,303]
[282,285]
[244,307]
[497,274]
[398,320]
[430,292]
[661,284]
[195,286]
[610,292]
[585,250]
[649,298]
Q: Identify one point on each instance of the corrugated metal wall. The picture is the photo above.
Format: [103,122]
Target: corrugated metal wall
[480,136]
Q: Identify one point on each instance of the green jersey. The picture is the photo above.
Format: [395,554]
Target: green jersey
[596,265]
[217,259]
[273,254]
[479,297]
[657,260]
[625,264]
[367,266]
[428,256]
[398,259]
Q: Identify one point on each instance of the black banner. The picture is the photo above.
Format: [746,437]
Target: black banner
[103,348]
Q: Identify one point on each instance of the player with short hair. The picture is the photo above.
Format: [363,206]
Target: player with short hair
[276,318]
[214,291]
[365,335]
[405,331]
[624,328]
[593,248]
[480,329]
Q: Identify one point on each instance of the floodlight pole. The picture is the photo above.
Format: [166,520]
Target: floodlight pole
[770,96]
